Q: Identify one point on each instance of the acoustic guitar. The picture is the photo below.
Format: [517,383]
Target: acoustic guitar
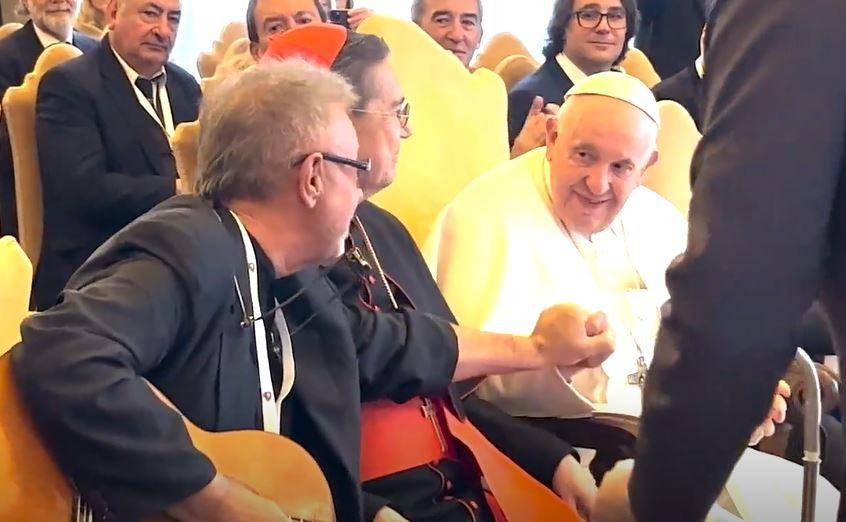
[33,489]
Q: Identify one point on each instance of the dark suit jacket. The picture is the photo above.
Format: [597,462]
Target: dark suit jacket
[685,88]
[104,160]
[767,236]
[669,33]
[549,81]
[158,301]
[18,53]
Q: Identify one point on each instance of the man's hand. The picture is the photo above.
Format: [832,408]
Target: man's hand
[387,514]
[533,133]
[777,414]
[225,500]
[575,485]
[355,17]
[612,500]
[568,335]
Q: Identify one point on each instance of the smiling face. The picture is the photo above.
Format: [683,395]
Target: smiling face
[596,162]
[594,49]
[455,24]
[143,32]
[55,17]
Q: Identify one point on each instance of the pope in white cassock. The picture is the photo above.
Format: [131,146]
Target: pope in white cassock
[571,222]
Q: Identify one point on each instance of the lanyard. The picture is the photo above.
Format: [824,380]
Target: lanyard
[271,411]
[164,103]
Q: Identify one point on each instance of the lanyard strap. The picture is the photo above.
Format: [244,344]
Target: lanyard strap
[271,410]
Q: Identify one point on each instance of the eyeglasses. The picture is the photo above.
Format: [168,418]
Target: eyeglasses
[591,18]
[402,114]
[360,165]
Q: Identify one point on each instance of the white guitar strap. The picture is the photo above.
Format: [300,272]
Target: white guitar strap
[271,411]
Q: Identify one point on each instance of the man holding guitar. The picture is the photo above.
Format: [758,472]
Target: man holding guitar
[189,298]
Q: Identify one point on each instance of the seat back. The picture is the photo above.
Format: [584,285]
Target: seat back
[7,29]
[19,110]
[236,59]
[184,143]
[638,65]
[458,120]
[15,284]
[207,62]
[498,48]
[89,29]
[514,68]
[677,141]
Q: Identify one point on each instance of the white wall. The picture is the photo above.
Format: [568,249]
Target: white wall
[203,20]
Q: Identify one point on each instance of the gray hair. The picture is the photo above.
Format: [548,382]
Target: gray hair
[417,7]
[256,123]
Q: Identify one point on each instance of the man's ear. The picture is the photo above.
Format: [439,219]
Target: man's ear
[112,10]
[652,160]
[309,180]
[256,51]
[551,135]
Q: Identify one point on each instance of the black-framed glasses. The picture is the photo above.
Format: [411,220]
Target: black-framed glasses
[591,18]
[402,114]
[360,165]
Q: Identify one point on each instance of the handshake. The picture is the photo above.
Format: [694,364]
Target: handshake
[567,335]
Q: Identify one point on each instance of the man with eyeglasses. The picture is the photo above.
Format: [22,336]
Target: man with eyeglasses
[584,37]
[194,297]
[383,271]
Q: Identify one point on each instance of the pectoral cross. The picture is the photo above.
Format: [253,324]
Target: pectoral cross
[639,377]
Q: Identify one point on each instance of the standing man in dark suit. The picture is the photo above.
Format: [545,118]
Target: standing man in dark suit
[767,236]
[103,124]
[51,21]
[669,33]
[585,37]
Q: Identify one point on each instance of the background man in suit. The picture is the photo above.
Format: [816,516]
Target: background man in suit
[669,33]
[266,18]
[585,37]
[455,24]
[767,236]
[103,123]
[51,21]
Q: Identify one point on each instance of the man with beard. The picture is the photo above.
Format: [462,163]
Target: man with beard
[51,22]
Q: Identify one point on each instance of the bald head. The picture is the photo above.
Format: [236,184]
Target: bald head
[598,150]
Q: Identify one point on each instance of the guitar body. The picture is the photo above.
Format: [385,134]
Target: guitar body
[32,488]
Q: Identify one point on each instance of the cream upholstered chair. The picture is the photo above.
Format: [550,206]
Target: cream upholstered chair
[677,140]
[458,119]
[7,29]
[89,29]
[236,59]
[638,65]
[19,110]
[207,62]
[498,48]
[15,284]
[514,68]
[184,143]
